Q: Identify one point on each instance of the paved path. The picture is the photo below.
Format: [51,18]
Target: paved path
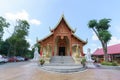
[30,71]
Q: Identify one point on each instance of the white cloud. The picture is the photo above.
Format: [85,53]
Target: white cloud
[12,17]
[35,21]
[94,37]
[114,40]
[22,15]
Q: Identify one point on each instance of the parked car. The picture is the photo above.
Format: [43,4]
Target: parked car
[12,59]
[19,58]
[26,59]
[3,60]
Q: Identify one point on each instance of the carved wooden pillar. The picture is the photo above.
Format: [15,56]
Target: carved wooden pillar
[70,43]
[81,51]
[53,45]
[41,50]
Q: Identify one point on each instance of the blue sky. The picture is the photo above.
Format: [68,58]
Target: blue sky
[42,14]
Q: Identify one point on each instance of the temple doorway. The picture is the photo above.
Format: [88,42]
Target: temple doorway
[61,51]
[62,46]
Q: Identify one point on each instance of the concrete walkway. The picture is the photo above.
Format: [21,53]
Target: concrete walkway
[30,71]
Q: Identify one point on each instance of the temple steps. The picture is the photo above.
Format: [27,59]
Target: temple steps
[62,64]
[62,59]
[63,69]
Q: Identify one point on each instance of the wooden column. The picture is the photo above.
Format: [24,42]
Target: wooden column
[81,49]
[41,50]
[69,37]
[53,49]
[53,45]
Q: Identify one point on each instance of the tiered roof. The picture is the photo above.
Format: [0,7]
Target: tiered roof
[73,31]
[63,18]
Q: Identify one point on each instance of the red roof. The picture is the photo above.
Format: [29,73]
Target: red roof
[114,49]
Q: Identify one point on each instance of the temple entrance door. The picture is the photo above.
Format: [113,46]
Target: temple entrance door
[61,51]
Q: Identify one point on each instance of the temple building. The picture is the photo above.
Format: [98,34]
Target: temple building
[62,41]
[113,52]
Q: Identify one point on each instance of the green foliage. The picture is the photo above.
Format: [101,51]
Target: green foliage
[83,61]
[21,29]
[92,23]
[17,47]
[4,48]
[109,63]
[18,44]
[114,63]
[105,35]
[42,61]
[3,24]
[101,30]
[29,54]
[103,24]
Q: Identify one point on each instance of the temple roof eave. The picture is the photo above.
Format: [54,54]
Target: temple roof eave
[45,37]
[84,42]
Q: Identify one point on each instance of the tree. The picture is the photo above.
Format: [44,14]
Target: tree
[17,41]
[101,30]
[4,48]
[3,24]
[22,47]
[21,29]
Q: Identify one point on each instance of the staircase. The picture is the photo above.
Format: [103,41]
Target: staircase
[62,60]
[62,64]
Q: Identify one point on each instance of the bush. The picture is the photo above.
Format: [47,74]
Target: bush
[109,63]
[114,64]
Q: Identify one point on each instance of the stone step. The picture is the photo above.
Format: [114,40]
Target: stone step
[62,59]
[63,69]
[62,64]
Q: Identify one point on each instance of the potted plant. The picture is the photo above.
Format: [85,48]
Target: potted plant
[42,61]
[83,61]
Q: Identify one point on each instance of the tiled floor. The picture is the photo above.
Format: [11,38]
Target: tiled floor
[31,71]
